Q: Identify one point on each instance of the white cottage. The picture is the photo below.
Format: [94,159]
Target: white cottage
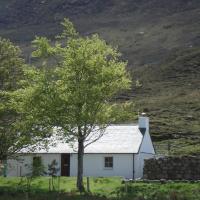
[120,152]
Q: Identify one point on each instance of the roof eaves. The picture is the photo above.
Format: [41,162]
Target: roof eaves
[143,131]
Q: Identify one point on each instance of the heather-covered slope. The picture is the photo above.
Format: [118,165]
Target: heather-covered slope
[160,39]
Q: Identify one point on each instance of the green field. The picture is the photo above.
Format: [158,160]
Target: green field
[100,188]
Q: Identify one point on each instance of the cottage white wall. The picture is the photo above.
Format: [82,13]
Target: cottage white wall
[139,163]
[20,167]
[48,158]
[146,151]
[93,165]
[147,145]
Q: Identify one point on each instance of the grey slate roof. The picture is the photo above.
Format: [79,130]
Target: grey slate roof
[117,139]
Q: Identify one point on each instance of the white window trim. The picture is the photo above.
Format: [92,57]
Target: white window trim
[108,168]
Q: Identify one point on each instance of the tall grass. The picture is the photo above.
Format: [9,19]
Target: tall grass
[100,188]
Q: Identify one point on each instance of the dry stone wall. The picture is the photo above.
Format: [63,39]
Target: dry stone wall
[173,168]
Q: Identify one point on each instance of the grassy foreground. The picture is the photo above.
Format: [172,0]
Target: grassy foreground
[101,188]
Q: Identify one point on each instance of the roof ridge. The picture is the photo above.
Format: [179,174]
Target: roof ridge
[130,124]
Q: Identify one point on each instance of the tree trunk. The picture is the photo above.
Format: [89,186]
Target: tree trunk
[80,185]
[4,162]
[5,168]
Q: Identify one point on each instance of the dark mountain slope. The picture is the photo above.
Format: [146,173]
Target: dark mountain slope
[160,39]
[146,31]
[170,95]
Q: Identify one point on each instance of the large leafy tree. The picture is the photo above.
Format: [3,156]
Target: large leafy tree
[11,74]
[76,94]
[16,129]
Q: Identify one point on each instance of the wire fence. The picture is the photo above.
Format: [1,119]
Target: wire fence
[170,149]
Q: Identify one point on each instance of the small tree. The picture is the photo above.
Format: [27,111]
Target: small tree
[77,95]
[36,169]
[53,169]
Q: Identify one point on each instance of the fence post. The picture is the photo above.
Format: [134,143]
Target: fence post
[58,183]
[49,184]
[88,184]
[126,186]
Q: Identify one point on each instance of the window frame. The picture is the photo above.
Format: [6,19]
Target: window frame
[37,159]
[108,164]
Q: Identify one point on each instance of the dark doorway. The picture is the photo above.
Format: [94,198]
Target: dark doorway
[65,164]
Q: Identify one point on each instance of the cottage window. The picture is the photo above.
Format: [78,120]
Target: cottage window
[37,162]
[36,159]
[108,162]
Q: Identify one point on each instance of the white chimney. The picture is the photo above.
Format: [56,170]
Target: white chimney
[143,122]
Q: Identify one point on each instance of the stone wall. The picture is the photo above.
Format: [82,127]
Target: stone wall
[173,168]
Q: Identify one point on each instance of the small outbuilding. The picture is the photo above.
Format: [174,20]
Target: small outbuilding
[121,151]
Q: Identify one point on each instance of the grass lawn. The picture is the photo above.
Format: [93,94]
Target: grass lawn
[101,188]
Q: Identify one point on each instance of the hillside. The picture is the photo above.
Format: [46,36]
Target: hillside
[159,38]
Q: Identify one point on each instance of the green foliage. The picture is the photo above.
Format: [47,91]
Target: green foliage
[69,30]
[11,74]
[81,87]
[78,91]
[37,167]
[11,66]
[16,130]
[169,191]
[75,95]
[53,171]
[43,47]
[53,168]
